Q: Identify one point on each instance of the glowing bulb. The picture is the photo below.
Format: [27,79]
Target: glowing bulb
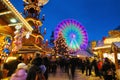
[18,27]
[13,20]
[28,35]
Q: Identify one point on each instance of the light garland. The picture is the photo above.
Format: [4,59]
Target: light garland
[13,9]
[18,38]
[28,35]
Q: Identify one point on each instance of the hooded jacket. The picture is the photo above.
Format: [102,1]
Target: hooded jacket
[20,74]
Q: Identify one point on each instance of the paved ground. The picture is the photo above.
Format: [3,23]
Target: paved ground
[78,76]
[64,76]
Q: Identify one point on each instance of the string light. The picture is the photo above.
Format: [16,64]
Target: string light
[28,35]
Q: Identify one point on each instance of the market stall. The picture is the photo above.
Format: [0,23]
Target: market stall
[116,51]
[13,27]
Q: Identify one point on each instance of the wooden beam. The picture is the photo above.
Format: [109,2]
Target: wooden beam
[17,14]
[14,24]
[5,13]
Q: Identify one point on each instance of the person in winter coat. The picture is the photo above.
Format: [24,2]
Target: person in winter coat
[100,63]
[20,73]
[108,69]
[35,69]
[83,66]
[95,65]
[88,66]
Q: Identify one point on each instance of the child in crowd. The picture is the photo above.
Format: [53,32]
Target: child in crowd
[20,73]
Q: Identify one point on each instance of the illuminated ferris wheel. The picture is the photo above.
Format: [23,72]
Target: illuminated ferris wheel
[74,33]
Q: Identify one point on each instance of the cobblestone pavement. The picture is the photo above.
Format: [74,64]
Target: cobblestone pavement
[78,76]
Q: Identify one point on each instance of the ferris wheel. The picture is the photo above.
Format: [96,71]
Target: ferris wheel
[74,33]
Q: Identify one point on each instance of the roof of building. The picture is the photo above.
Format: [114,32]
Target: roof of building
[117,44]
[10,17]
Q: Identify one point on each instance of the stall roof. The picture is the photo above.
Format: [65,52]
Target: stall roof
[117,44]
[102,47]
[10,17]
[84,53]
[32,48]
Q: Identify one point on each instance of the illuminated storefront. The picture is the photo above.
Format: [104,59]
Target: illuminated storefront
[110,49]
[12,26]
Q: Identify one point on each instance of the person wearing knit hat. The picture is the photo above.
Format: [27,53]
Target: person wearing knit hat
[20,73]
[22,65]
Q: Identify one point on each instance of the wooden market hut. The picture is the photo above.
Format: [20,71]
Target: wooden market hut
[101,50]
[9,18]
[114,36]
[116,49]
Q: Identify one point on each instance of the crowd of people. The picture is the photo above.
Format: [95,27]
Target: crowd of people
[39,67]
[102,68]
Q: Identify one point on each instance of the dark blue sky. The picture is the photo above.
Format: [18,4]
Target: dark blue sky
[97,16]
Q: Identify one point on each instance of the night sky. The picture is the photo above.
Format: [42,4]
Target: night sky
[97,16]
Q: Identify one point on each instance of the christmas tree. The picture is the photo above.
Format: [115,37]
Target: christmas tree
[60,45]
